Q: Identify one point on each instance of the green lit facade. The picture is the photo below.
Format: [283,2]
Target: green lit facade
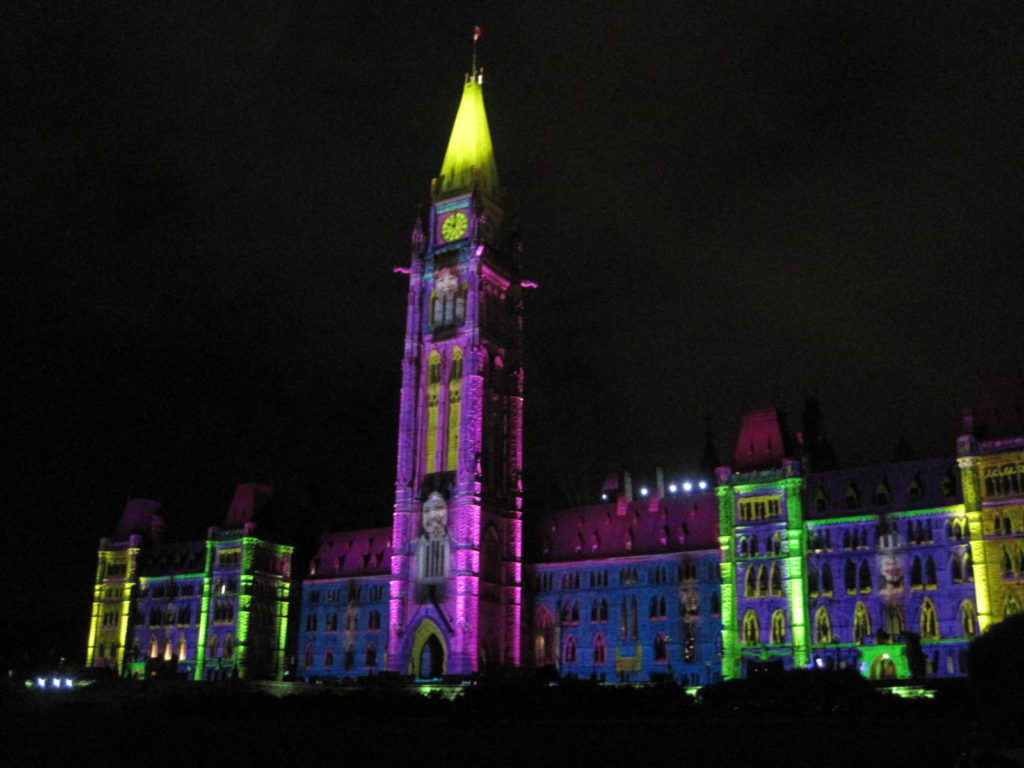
[890,569]
[208,609]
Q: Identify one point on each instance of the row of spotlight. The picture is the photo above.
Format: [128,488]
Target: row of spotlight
[686,487]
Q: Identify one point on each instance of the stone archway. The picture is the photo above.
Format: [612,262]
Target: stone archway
[429,657]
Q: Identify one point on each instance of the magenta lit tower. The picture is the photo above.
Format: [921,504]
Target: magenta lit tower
[457,542]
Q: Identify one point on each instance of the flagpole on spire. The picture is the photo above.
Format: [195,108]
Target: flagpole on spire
[476,36]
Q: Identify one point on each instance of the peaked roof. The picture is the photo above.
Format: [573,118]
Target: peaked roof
[761,443]
[647,527]
[469,159]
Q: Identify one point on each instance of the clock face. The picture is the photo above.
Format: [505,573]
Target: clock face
[454,226]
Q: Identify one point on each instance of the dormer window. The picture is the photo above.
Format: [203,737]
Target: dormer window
[882,494]
[852,497]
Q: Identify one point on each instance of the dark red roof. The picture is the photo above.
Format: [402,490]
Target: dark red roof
[760,444]
[353,553]
[649,526]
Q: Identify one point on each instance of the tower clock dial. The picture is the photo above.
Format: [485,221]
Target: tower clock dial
[454,226]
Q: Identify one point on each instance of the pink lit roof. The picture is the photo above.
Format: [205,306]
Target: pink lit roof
[353,553]
[676,524]
[760,444]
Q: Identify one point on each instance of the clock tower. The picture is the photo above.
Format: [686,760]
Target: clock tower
[456,565]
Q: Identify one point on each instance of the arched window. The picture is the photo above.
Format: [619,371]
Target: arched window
[633,624]
[822,626]
[751,634]
[778,628]
[826,580]
[812,581]
[864,577]
[603,613]
[182,647]
[968,619]
[1007,563]
[956,570]
[229,646]
[371,655]
[915,574]
[850,577]
[744,547]
[753,546]
[660,648]
[894,624]
[600,650]
[307,655]
[776,543]
[350,656]
[213,649]
[329,657]
[929,621]
[762,581]
[433,394]
[861,623]
[154,647]
[454,407]
[544,637]
[750,586]
[847,540]
[968,567]
[776,580]
[931,578]
[570,650]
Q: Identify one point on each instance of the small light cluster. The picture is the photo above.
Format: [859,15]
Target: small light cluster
[53,683]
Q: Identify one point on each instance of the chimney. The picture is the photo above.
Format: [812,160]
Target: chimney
[624,496]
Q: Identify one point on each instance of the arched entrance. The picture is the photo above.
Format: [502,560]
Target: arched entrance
[884,668]
[429,657]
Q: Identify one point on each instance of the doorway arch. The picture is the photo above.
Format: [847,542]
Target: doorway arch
[429,658]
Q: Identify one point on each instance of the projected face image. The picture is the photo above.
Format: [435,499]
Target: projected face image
[446,281]
[435,516]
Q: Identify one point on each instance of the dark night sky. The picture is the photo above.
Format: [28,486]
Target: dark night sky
[726,205]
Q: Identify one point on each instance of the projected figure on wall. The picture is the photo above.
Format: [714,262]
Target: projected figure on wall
[432,546]
[448,304]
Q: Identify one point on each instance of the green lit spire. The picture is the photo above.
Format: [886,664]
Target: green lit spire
[469,159]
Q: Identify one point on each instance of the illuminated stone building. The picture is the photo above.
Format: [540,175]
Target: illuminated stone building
[203,610]
[627,590]
[890,569]
[781,560]
[455,591]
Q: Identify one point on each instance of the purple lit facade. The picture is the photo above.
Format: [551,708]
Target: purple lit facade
[455,591]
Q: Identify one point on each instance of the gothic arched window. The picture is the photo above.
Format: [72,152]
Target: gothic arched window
[570,650]
[861,623]
[929,621]
[751,633]
[968,619]
[864,577]
[778,628]
[822,626]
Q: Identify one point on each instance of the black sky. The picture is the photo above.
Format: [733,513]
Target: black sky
[726,205]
